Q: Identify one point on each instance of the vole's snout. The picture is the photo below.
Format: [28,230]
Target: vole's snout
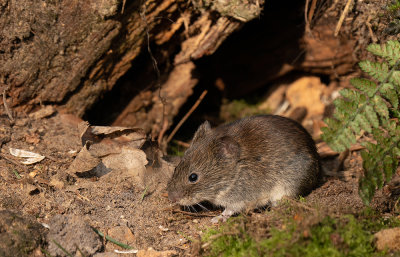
[174,196]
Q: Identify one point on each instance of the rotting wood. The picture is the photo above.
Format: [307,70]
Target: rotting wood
[70,54]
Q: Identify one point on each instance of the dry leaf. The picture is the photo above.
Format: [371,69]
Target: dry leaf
[110,149]
[135,137]
[30,157]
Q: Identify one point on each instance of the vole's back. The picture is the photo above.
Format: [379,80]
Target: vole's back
[246,164]
[277,157]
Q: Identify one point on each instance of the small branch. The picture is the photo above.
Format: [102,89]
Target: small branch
[341,19]
[371,33]
[13,162]
[193,214]
[8,111]
[158,73]
[123,6]
[187,115]
[181,143]
[305,15]
[162,131]
[312,10]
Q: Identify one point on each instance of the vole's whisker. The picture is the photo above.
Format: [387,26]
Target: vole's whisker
[194,209]
[204,208]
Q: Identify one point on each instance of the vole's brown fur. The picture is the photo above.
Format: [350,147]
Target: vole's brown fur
[246,164]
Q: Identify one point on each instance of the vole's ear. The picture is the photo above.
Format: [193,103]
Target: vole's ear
[228,148]
[201,131]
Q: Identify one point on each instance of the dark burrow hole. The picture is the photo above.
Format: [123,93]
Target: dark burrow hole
[204,206]
[244,67]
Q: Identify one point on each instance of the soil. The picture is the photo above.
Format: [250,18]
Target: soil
[113,203]
[46,208]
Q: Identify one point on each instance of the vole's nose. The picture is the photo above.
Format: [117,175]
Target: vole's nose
[173,196]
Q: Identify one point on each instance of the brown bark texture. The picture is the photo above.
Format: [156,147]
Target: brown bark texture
[70,53]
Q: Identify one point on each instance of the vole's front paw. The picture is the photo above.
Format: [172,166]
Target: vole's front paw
[219,218]
[223,217]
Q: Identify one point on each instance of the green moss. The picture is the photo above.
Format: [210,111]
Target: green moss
[394,6]
[236,109]
[225,243]
[344,236]
[175,149]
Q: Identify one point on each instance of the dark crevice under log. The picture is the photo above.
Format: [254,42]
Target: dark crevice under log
[93,61]
[264,50]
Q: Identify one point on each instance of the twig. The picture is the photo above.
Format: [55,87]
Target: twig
[305,15]
[6,107]
[181,143]
[371,33]
[325,151]
[81,196]
[341,19]
[312,10]
[162,131]
[193,214]
[187,115]
[342,157]
[333,6]
[157,70]
[123,6]
[13,162]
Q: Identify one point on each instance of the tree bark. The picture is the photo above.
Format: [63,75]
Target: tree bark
[70,53]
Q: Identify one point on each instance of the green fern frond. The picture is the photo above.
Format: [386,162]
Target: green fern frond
[379,162]
[395,78]
[390,51]
[362,121]
[369,108]
[388,91]
[380,106]
[364,85]
[378,71]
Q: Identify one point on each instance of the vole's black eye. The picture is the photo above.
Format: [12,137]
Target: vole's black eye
[193,177]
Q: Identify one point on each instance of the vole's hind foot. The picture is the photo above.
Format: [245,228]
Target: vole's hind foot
[223,217]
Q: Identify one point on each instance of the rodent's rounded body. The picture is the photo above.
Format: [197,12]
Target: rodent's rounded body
[246,164]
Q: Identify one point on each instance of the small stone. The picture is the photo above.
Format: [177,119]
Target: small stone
[19,235]
[162,228]
[33,174]
[388,239]
[73,234]
[306,92]
[122,234]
